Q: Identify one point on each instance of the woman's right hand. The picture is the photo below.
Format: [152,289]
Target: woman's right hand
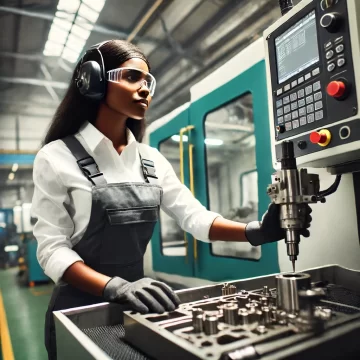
[144,295]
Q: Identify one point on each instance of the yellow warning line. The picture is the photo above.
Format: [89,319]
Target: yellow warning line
[6,347]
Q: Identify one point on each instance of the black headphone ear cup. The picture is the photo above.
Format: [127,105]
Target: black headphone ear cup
[90,80]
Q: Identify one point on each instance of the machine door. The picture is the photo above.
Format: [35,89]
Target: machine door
[232,168]
[172,248]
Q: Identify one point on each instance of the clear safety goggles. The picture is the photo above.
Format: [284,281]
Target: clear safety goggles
[133,76]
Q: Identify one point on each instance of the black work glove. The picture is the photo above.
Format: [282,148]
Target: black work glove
[144,295]
[268,229]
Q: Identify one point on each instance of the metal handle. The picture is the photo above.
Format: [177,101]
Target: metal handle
[192,188]
[182,175]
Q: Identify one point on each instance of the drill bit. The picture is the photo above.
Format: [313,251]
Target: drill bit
[293,264]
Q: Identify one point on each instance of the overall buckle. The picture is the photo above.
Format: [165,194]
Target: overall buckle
[89,168]
[148,168]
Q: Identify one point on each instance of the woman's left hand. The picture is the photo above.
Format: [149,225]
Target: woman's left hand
[268,229]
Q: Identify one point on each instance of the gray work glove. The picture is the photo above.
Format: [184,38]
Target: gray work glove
[268,229]
[144,295]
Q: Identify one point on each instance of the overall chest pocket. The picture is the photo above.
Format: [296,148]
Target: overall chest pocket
[127,234]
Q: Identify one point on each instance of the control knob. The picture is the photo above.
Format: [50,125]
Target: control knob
[330,22]
[336,89]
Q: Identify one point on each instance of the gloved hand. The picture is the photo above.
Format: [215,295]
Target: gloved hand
[268,229]
[144,295]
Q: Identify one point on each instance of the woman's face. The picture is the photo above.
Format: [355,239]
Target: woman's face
[127,97]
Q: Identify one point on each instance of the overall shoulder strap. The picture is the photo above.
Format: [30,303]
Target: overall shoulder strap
[86,162]
[148,168]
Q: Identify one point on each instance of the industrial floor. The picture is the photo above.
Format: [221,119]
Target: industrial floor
[25,311]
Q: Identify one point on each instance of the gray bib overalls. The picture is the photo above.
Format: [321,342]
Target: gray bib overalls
[121,224]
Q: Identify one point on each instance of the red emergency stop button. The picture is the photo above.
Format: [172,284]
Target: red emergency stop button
[321,137]
[336,89]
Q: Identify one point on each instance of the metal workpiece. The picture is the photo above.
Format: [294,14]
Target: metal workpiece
[197,320]
[228,289]
[210,324]
[255,316]
[231,314]
[266,291]
[242,300]
[266,316]
[244,318]
[264,301]
[288,286]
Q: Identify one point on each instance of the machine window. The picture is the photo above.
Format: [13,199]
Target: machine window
[172,236]
[231,164]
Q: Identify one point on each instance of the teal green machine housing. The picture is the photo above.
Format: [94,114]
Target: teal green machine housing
[205,264]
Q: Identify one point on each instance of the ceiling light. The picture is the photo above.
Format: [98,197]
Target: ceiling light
[84,23]
[52,49]
[88,13]
[95,4]
[214,142]
[57,34]
[9,248]
[15,167]
[75,43]
[64,24]
[11,176]
[177,138]
[65,16]
[70,55]
[68,5]
[80,32]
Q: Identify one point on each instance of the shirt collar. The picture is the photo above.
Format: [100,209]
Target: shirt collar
[93,136]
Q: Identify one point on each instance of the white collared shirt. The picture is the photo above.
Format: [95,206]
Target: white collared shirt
[62,196]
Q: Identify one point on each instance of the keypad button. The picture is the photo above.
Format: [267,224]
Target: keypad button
[316,71]
[280,120]
[280,112]
[328,45]
[310,108]
[319,115]
[303,120]
[294,83]
[294,106]
[318,105]
[318,96]
[286,109]
[302,111]
[295,114]
[287,87]
[295,124]
[301,102]
[331,67]
[279,92]
[308,90]
[339,39]
[279,103]
[287,117]
[288,126]
[310,118]
[293,96]
[301,93]
[341,62]
[316,86]
[307,76]
[339,48]
[286,100]
[300,80]
[329,54]
[309,99]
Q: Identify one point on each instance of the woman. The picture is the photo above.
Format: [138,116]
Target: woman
[98,191]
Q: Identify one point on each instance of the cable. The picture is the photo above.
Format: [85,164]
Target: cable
[331,189]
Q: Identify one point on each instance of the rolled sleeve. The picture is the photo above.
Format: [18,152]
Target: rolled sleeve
[54,226]
[179,203]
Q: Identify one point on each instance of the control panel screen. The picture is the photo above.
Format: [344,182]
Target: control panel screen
[297,48]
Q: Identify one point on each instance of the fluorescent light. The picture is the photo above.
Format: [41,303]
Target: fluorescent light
[80,32]
[88,13]
[9,248]
[3,225]
[52,49]
[64,24]
[84,23]
[214,142]
[15,167]
[70,55]
[68,5]
[58,34]
[11,176]
[95,4]
[75,43]
[177,138]
[65,16]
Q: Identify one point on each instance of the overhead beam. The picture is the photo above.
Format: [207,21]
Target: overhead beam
[36,82]
[21,159]
[97,28]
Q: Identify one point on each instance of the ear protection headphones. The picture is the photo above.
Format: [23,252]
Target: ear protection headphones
[91,77]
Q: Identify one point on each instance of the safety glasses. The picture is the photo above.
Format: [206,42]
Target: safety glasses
[133,76]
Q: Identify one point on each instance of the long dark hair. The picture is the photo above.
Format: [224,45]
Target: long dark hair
[75,109]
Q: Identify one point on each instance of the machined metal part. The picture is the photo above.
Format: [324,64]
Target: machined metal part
[266,291]
[197,320]
[244,318]
[228,289]
[288,286]
[266,316]
[231,314]
[242,299]
[210,324]
[264,301]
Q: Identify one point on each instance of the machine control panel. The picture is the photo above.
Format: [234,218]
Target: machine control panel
[311,77]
